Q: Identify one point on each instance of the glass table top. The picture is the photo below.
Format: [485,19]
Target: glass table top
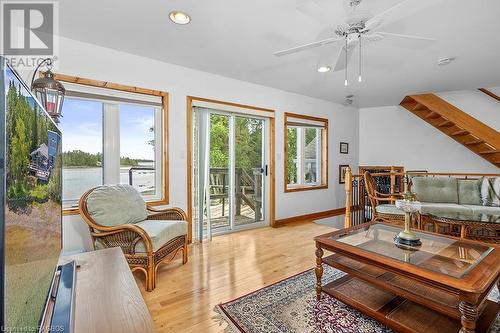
[439,254]
[467,217]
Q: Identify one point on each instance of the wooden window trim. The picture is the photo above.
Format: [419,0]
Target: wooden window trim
[324,155]
[121,87]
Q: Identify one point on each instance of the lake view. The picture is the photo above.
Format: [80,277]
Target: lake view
[78,180]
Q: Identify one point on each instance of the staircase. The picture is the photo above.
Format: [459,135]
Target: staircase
[460,126]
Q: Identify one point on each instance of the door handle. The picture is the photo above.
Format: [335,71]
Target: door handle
[264,170]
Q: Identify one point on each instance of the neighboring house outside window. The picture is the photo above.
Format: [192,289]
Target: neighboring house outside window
[306,160]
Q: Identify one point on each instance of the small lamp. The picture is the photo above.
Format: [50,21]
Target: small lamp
[49,91]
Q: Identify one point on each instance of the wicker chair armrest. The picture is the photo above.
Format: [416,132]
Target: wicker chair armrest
[166,214]
[125,236]
[380,194]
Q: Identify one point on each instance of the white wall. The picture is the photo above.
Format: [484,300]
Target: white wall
[391,135]
[476,103]
[90,61]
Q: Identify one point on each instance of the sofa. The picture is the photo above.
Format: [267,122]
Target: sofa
[452,195]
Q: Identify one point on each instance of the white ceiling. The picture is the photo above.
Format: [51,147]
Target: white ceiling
[237,38]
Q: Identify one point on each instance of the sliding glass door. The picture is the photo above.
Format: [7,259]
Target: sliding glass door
[250,170]
[229,172]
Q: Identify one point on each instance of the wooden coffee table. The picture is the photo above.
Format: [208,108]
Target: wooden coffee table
[441,287]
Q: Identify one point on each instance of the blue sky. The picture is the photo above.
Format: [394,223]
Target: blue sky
[82,128]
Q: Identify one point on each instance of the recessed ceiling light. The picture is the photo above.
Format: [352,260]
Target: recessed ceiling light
[324,69]
[179,17]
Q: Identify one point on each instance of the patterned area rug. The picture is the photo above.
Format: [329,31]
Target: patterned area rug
[291,306]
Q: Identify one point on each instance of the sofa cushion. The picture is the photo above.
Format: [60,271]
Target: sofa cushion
[436,189]
[111,205]
[490,191]
[160,232]
[388,209]
[436,208]
[478,209]
[469,192]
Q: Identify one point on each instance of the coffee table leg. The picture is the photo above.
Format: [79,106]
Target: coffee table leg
[469,317]
[318,270]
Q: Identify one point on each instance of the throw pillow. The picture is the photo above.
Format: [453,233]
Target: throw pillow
[490,191]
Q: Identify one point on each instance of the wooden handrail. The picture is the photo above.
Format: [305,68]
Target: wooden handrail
[431,174]
[489,93]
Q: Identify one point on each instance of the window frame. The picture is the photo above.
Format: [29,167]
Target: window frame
[164,200]
[322,182]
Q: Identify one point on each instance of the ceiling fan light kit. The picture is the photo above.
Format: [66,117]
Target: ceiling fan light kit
[361,24]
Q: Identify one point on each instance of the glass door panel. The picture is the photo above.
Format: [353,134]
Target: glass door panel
[249,170]
[228,172]
[219,175]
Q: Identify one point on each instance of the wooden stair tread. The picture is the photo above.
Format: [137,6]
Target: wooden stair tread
[446,123]
[460,126]
[473,142]
[461,132]
[432,115]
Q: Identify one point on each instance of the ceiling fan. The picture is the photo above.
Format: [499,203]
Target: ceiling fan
[361,25]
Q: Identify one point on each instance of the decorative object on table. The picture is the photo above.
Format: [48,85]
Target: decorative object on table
[344,148]
[409,206]
[342,171]
[291,306]
[48,90]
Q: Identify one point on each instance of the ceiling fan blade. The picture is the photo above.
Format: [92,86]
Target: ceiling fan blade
[341,58]
[375,37]
[407,41]
[399,12]
[306,46]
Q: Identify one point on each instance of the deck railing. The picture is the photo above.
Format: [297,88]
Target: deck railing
[248,188]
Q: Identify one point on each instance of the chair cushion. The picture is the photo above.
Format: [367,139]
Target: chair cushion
[490,191]
[436,189]
[112,205]
[478,209]
[388,209]
[160,232]
[468,192]
[436,208]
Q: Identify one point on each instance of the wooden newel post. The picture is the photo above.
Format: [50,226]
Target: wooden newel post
[348,190]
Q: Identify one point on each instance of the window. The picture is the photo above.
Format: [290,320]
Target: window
[111,137]
[82,130]
[306,157]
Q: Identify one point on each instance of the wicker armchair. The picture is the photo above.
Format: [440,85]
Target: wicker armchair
[382,210]
[139,247]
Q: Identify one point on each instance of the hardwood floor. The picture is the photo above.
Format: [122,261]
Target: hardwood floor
[230,266]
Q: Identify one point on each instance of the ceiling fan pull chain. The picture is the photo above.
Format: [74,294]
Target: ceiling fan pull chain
[359,77]
[345,81]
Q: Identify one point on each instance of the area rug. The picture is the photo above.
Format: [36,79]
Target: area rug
[291,306]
